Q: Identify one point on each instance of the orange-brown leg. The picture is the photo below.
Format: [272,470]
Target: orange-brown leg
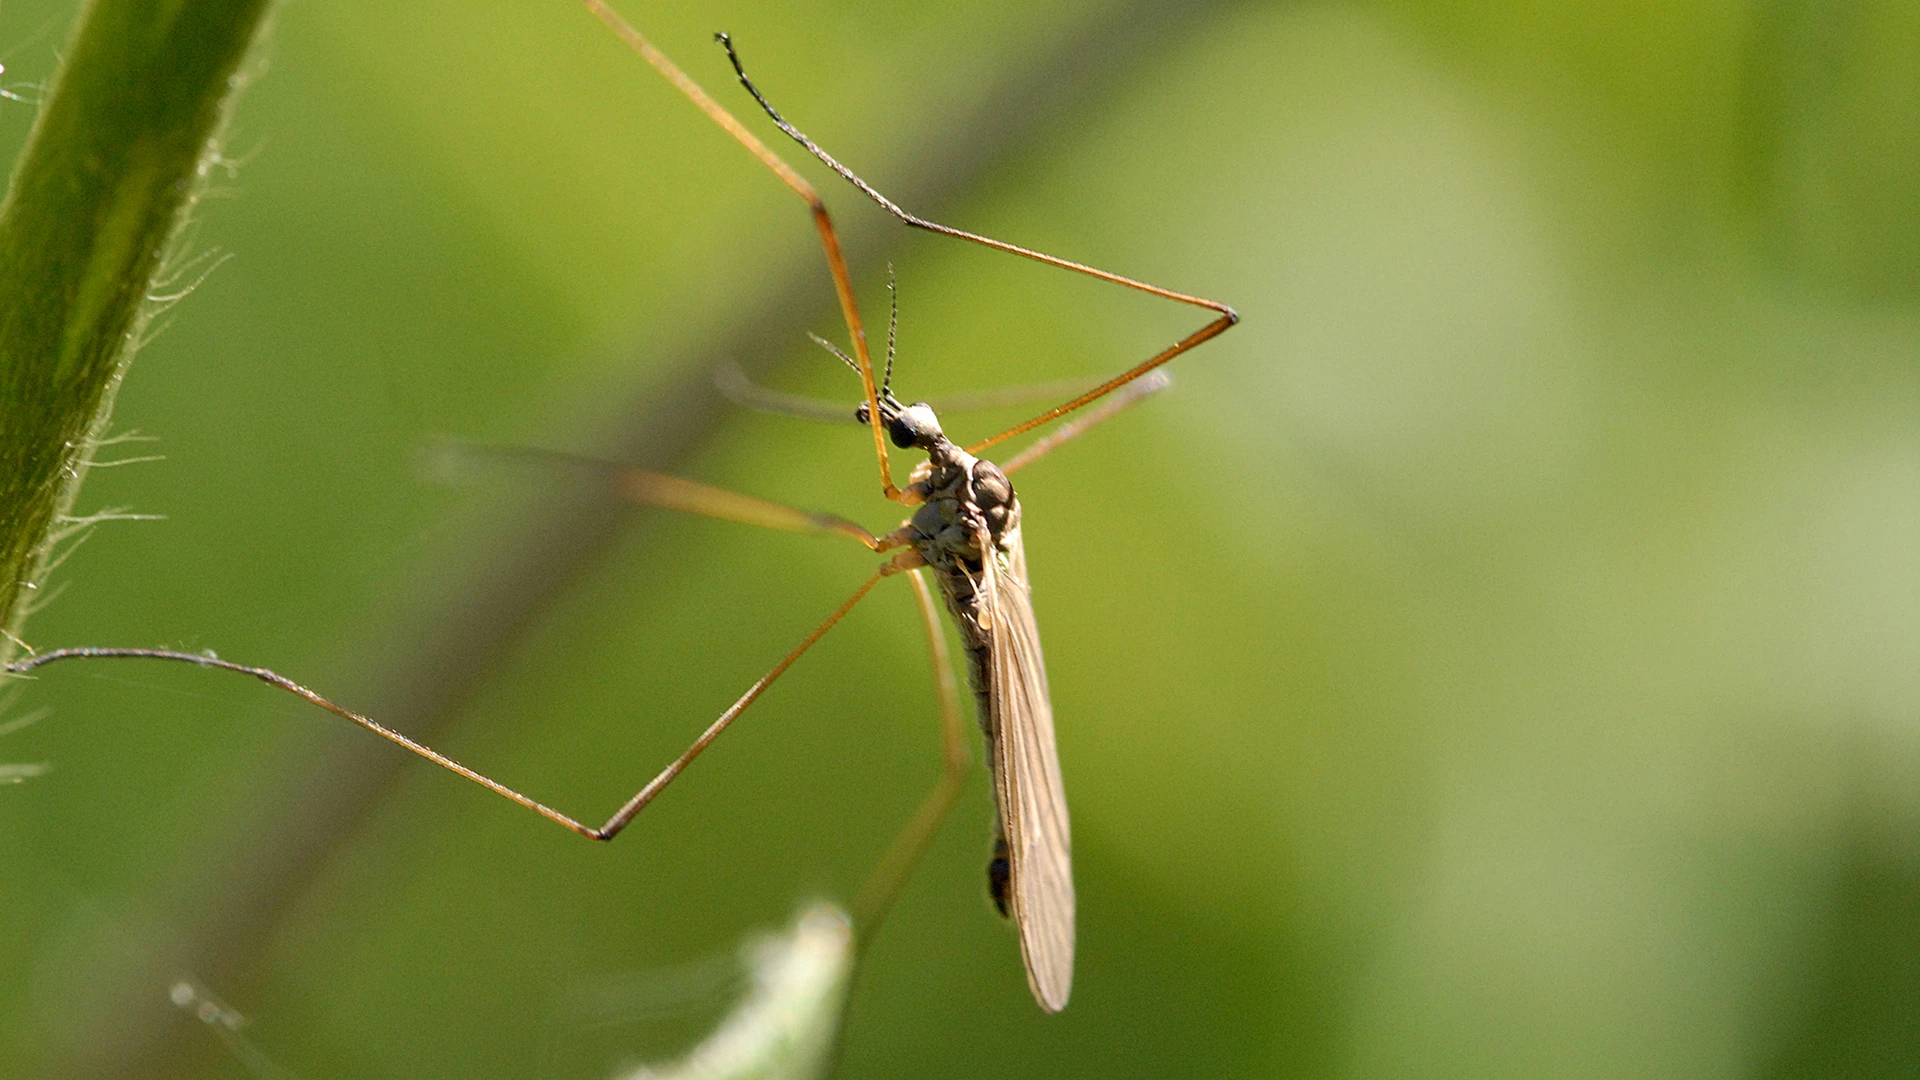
[829,240]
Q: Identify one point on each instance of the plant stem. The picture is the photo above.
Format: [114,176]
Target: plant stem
[109,176]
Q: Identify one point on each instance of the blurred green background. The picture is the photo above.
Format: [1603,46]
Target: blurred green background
[1496,657]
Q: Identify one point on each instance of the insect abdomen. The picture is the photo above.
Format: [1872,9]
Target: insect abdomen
[999,876]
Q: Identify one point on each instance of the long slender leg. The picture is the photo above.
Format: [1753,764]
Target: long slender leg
[1226,316]
[646,488]
[1128,396]
[743,391]
[883,884]
[829,240]
[613,824]
[675,493]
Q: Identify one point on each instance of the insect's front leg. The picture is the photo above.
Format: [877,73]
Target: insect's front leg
[913,494]
[910,559]
[901,537]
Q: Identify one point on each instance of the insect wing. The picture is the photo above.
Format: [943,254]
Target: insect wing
[1032,802]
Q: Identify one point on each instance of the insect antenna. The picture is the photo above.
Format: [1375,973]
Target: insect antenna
[893,325]
[835,350]
[887,400]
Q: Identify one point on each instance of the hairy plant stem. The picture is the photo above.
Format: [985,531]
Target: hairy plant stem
[109,176]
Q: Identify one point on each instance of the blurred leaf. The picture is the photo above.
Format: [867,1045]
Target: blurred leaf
[786,1026]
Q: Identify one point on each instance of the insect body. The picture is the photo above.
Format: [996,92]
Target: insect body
[967,530]
[964,530]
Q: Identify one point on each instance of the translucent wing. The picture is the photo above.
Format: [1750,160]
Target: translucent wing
[1032,803]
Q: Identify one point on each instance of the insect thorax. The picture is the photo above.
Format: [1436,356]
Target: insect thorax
[966,497]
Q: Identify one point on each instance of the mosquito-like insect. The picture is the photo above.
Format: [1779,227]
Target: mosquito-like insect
[964,529]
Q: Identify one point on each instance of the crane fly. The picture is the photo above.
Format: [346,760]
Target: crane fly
[964,530]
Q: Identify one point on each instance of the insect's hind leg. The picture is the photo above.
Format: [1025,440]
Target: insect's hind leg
[736,386]
[1128,396]
[883,884]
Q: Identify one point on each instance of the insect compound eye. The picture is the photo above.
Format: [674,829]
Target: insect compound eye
[902,431]
[860,414]
[914,425]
